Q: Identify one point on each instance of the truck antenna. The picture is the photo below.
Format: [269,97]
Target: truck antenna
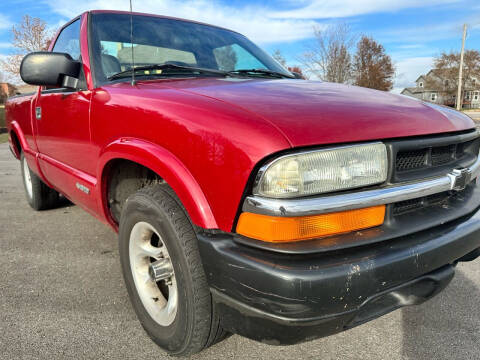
[131,44]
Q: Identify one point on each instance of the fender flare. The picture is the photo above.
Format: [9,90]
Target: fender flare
[164,164]
[15,129]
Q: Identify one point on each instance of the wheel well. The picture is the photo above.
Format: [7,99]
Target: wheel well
[16,142]
[123,178]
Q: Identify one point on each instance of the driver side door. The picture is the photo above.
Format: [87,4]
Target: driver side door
[62,123]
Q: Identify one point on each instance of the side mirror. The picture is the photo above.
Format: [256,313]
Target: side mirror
[50,69]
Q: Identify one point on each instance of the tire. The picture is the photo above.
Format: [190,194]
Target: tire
[39,195]
[154,228]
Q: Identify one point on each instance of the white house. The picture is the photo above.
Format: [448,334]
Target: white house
[438,93]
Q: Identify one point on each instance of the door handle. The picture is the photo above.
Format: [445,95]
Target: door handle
[38,112]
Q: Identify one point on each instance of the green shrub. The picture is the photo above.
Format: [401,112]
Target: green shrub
[2,117]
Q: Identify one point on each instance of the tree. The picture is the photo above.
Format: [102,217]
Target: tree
[226,58]
[329,56]
[31,34]
[277,55]
[372,67]
[444,78]
[298,70]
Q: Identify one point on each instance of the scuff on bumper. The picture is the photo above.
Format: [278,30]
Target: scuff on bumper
[286,299]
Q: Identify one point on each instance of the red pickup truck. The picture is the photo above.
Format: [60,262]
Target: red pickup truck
[246,200]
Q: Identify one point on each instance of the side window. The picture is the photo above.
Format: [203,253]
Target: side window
[69,40]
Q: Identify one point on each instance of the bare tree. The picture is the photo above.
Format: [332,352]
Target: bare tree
[31,34]
[226,58]
[329,57]
[444,78]
[277,55]
[372,67]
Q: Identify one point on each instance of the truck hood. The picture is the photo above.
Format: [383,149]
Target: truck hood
[314,113]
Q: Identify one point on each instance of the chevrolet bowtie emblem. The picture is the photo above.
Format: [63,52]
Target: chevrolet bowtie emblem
[460,178]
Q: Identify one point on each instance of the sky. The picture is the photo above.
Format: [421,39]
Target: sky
[413,32]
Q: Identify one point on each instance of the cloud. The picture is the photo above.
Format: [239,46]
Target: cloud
[408,70]
[324,9]
[5,22]
[253,21]
[410,46]
[54,27]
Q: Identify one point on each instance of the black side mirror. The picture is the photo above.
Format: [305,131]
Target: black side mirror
[50,69]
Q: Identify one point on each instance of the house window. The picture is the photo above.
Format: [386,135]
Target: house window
[468,95]
[420,84]
[433,97]
[476,94]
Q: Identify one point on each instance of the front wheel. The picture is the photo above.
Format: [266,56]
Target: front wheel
[39,196]
[164,274]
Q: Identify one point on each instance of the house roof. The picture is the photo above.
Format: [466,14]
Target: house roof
[7,89]
[420,77]
[23,89]
[434,73]
[418,90]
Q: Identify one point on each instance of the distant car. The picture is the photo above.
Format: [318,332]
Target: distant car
[247,201]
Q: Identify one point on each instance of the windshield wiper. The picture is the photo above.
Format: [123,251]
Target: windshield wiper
[262,72]
[191,69]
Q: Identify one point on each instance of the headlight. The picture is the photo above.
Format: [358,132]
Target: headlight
[323,171]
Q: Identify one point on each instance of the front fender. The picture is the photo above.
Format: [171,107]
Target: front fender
[164,164]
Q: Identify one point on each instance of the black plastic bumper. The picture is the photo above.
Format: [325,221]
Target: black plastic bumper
[286,299]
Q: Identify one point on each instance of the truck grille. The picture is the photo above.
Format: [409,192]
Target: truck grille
[409,160]
[441,199]
[430,157]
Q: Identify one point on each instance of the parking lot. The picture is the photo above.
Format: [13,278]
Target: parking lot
[62,296]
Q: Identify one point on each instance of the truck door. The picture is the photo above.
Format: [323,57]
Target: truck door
[67,157]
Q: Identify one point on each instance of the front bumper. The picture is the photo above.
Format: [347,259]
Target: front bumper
[285,299]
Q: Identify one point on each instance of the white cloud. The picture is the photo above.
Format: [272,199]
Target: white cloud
[53,28]
[408,70]
[324,9]
[410,46]
[5,23]
[253,21]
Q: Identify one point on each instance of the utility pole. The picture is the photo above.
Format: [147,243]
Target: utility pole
[460,71]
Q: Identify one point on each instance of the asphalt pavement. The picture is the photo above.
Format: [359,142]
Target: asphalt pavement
[62,296]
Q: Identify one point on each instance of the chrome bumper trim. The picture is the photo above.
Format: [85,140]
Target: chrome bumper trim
[356,200]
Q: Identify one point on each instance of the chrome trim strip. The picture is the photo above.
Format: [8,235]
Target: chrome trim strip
[354,200]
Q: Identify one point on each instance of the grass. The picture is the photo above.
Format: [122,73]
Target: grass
[2,116]
[3,138]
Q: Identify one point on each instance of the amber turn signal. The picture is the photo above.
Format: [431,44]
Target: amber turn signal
[288,229]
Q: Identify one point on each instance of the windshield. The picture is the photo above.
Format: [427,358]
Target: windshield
[159,41]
